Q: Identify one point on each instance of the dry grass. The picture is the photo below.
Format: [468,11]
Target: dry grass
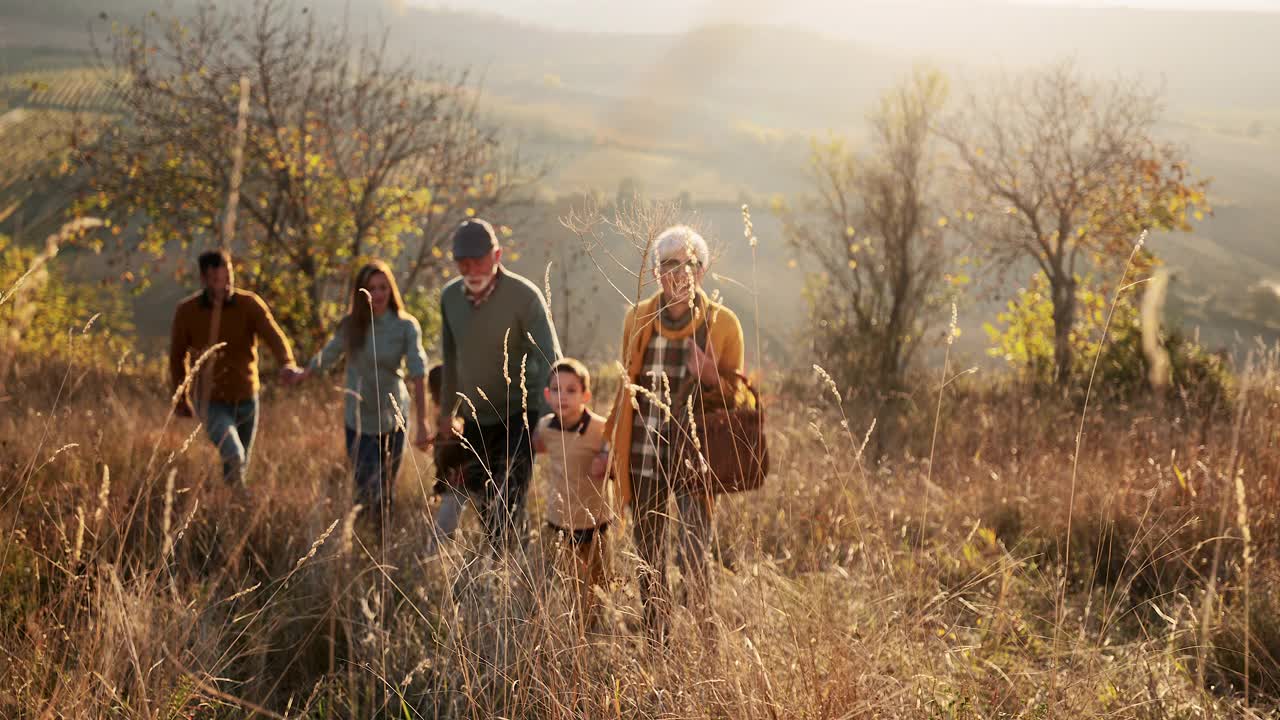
[132,585]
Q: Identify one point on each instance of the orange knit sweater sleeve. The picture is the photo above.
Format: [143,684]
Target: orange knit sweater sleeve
[628,328]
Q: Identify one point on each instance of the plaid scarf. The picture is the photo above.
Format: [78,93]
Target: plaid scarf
[652,430]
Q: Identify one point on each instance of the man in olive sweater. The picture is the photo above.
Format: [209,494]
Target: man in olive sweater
[231,419]
[497,348]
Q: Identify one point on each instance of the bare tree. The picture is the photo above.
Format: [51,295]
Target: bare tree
[869,226]
[573,286]
[610,255]
[619,241]
[350,151]
[1066,172]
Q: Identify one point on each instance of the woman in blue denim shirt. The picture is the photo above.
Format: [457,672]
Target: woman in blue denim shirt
[383,346]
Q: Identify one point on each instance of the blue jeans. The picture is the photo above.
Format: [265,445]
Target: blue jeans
[231,427]
[375,460]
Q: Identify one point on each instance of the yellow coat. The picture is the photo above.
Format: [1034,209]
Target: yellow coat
[724,341]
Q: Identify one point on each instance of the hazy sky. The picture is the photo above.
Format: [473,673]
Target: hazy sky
[849,18]
[902,25]
[1263,5]
[617,8]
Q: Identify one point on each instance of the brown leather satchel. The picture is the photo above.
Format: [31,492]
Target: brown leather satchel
[731,454]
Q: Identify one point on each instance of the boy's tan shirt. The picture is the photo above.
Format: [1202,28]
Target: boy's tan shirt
[573,500]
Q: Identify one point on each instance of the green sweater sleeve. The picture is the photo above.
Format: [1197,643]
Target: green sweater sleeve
[538,323]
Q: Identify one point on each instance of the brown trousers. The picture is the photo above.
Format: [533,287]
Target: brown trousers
[585,561]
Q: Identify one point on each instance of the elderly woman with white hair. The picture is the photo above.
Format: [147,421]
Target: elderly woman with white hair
[677,342]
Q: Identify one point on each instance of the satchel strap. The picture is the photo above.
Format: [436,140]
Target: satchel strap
[700,337]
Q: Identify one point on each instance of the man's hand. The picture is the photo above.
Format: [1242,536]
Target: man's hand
[447,428]
[701,364]
[422,437]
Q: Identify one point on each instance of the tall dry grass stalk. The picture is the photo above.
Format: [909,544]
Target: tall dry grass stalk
[927,486]
[749,232]
[1079,438]
[1232,488]
[1246,539]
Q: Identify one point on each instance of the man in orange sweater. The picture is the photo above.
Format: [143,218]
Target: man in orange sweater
[231,418]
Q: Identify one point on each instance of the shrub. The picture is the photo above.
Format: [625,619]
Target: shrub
[43,311]
[1023,337]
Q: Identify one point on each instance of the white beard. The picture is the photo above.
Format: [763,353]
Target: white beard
[477,283]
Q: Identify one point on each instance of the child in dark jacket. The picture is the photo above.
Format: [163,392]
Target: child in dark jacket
[449,456]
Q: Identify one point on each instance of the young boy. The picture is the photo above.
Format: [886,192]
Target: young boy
[449,456]
[578,498]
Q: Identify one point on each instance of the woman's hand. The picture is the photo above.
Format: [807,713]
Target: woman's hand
[292,375]
[599,466]
[701,363]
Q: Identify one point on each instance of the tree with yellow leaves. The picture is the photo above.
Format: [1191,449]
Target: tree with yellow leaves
[350,152]
[1065,171]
